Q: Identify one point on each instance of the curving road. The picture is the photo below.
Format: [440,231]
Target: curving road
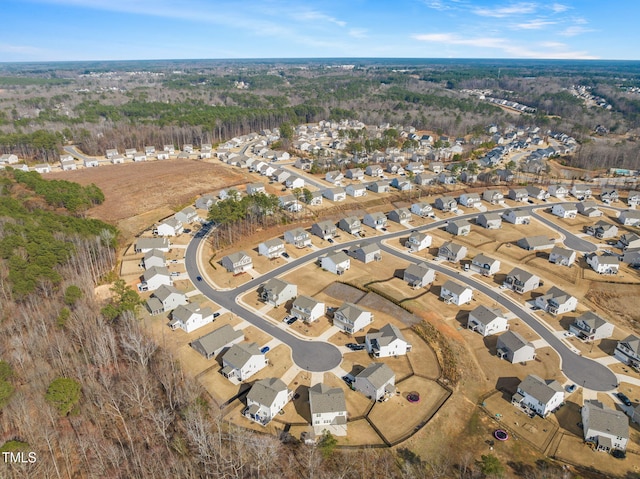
[571,241]
[317,356]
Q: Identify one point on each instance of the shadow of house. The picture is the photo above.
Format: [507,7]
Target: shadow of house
[569,416]
[566,321]
[355,370]
[491,343]
[399,273]
[608,346]
[301,404]
[499,278]
[462,316]
[508,385]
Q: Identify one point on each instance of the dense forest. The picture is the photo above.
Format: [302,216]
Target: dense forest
[208,102]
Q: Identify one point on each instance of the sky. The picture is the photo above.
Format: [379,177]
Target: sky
[66,30]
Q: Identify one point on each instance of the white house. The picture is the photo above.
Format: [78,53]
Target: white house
[90,162]
[588,208]
[388,341]
[517,217]
[153,277]
[581,191]
[630,218]
[514,348]
[491,221]
[328,410]
[446,203]
[628,351]
[419,275]
[521,281]
[216,341]
[539,396]
[452,252]
[562,256]
[607,428]
[559,191]
[42,168]
[242,360]
[376,220]
[154,257]
[633,199]
[492,196]
[307,308]
[418,241]
[11,159]
[421,209]
[294,181]
[603,264]
[187,215]
[335,194]
[190,317]
[272,248]
[237,263]
[266,398]
[164,299]
[337,262]
[334,177]
[455,293]
[351,318]
[144,245]
[485,265]
[169,227]
[277,291]
[519,194]
[556,301]
[356,190]
[298,237]
[366,252]
[563,210]
[255,188]
[376,381]
[487,321]
[470,200]
[591,327]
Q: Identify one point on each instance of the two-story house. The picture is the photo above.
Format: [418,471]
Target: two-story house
[418,241]
[376,381]
[307,309]
[272,248]
[351,225]
[277,291]
[452,292]
[521,281]
[452,252]
[324,229]
[606,428]
[376,220]
[190,317]
[555,301]
[266,398]
[489,221]
[485,265]
[591,327]
[514,348]
[351,318]
[628,351]
[237,263]
[562,256]
[540,396]
[419,275]
[487,321]
[298,237]
[242,360]
[328,410]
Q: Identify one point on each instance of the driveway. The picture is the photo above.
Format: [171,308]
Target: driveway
[571,241]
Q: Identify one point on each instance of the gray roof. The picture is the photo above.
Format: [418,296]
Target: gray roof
[152,243]
[367,247]
[297,232]
[542,390]
[273,242]
[266,390]
[153,271]
[239,354]
[558,250]
[483,259]
[591,319]
[376,215]
[633,342]
[485,315]
[387,334]
[454,287]
[351,220]
[218,338]
[350,311]
[378,374]
[236,257]
[326,225]
[154,253]
[338,257]
[534,241]
[460,223]
[490,216]
[417,270]
[164,291]
[513,341]
[557,295]
[521,275]
[305,302]
[418,236]
[183,312]
[323,399]
[453,247]
[275,285]
[154,304]
[603,419]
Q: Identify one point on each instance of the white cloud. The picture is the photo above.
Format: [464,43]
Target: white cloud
[559,8]
[523,8]
[315,16]
[575,30]
[358,32]
[537,24]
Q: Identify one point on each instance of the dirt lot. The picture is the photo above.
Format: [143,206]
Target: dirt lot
[138,194]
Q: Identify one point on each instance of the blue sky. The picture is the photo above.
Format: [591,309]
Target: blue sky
[45,30]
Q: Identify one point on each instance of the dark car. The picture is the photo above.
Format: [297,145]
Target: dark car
[330,240]
[215,315]
[347,379]
[571,388]
[198,278]
[355,347]
[291,320]
[285,255]
[625,400]
[265,350]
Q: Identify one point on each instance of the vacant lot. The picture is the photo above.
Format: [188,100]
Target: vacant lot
[138,194]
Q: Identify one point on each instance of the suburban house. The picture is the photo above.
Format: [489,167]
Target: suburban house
[314,199]
[190,317]
[609,196]
[272,248]
[602,230]
[376,381]
[266,398]
[366,252]
[237,263]
[11,159]
[632,257]
[418,241]
[539,396]
[165,299]
[351,225]
[171,149]
[517,217]
[277,291]
[328,410]
[375,220]
[216,341]
[227,193]
[521,281]
[446,203]
[514,348]
[351,318]
[337,262]
[581,191]
[421,209]
[424,179]
[487,321]
[110,153]
[298,237]
[335,194]
[169,227]
[562,256]
[67,163]
[379,186]
[452,252]
[558,191]
[633,199]
[401,185]
[354,174]
[628,351]
[537,193]
[255,188]
[630,218]
[606,428]
[564,210]
[388,341]
[144,245]
[149,150]
[591,327]
[294,181]
[588,208]
[456,293]
[415,167]
[187,215]
[419,275]
[205,202]
[628,241]
[519,194]
[556,301]
[307,308]
[154,257]
[356,190]
[400,215]
[334,177]
[154,277]
[536,243]
[374,170]
[491,221]
[485,265]
[324,229]
[42,168]
[603,264]
[470,200]
[395,168]
[436,166]
[280,176]
[242,360]
[459,227]
[162,155]
[492,196]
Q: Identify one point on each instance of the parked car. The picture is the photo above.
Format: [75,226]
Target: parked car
[290,319]
[285,255]
[198,278]
[347,379]
[215,315]
[623,397]
[355,346]
[571,388]
[265,350]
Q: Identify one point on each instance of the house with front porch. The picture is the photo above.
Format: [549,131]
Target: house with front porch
[628,241]
[298,237]
[521,281]
[492,196]
[628,351]
[418,241]
[588,208]
[606,428]
[591,327]
[307,308]
[581,191]
[456,293]
[164,299]
[400,215]
[154,277]
[374,170]
[633,199]
[485,265]
[419,275]
[602,230]
[351,225]
[537,193]
[446,203]
[514,348]
[266,398]
[277,291]
[519,194]
[558,191]
[603,264]
[334,177]
[539,396]
[487,321]
[376,220]
[213,343]
[555,302]
[387,342]
[351,318]
[376,381]
[452,252]
[237,263]
[564,210]
[421,209]
[242,360]
[562,256]
[491,221]
[324,229]
[190,317]
[470,200]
